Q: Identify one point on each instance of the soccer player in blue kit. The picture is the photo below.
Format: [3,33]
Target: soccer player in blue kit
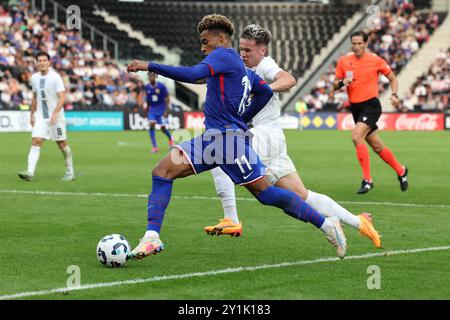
[158,102]
[225,142]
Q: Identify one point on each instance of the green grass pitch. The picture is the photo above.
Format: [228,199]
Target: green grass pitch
[48,225]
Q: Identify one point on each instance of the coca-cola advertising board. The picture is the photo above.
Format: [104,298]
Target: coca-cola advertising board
[399,121]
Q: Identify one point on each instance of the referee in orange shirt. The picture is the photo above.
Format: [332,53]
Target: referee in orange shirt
[358,71]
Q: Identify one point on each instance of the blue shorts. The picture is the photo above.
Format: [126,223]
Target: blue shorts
[158,118]
[230,150]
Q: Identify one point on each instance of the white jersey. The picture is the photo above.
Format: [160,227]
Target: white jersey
[46,88]
[270,145]
[270,114]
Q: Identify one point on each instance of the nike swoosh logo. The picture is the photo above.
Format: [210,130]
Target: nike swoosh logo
[245,177]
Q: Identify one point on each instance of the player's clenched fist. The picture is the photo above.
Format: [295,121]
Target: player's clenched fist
[137,65]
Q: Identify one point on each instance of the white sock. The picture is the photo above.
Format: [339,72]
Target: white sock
[225,190]
[68,160]
[326,226]
[33,157]
[328,207]
[151,234]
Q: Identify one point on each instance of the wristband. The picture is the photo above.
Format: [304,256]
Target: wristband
[341,83]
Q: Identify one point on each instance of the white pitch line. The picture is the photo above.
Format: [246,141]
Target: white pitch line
[399,204]
[100,194]
[130,144]
[216,272]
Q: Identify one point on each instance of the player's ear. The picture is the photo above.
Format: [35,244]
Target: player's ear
[221,36]
[264,50]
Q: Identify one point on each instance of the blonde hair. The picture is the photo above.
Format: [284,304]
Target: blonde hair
[257,33]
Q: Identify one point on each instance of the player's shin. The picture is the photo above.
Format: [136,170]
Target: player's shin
[153,137]
[362,153]
[33,157]
[328,207]
[68,160]
[388,157]
[166,132]
[291,204]
[225,190]
[158,200]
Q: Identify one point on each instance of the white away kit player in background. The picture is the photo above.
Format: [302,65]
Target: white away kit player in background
[270,144]
[47,116]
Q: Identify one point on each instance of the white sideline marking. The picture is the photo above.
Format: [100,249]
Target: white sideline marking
[100,194]
[215,272]
[130,144]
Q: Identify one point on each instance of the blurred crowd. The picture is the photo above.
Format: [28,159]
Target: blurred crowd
[400,34]
[431,91]
[93,80]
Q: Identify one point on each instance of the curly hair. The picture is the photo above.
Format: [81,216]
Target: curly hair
[257,33]
[216,22]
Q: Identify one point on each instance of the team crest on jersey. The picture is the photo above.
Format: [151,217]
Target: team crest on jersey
[157,91]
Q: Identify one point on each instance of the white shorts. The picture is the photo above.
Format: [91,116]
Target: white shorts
[43,129]
[270,145]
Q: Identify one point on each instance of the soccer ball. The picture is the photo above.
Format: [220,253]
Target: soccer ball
[113,250]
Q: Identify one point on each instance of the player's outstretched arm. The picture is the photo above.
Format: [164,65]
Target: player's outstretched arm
[137,65]
[181,73]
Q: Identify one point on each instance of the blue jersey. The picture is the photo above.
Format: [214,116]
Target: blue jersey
[156,96]
[228,89]
[229,85]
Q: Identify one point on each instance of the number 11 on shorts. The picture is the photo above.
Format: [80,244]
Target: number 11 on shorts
[240,162]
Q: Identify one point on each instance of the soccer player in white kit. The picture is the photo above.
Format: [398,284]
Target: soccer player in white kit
[270,144]
[47,116]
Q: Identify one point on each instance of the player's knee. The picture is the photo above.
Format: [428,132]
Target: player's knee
[62,144]
[357,138]
[160,171]
[303,193]
[257,187]
[37,142]
[376,147]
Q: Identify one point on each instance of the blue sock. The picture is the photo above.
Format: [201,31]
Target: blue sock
[153,138]
[158,201]
[167,133]
[292,204]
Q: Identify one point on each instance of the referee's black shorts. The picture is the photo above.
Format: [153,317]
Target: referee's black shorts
[368,111]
